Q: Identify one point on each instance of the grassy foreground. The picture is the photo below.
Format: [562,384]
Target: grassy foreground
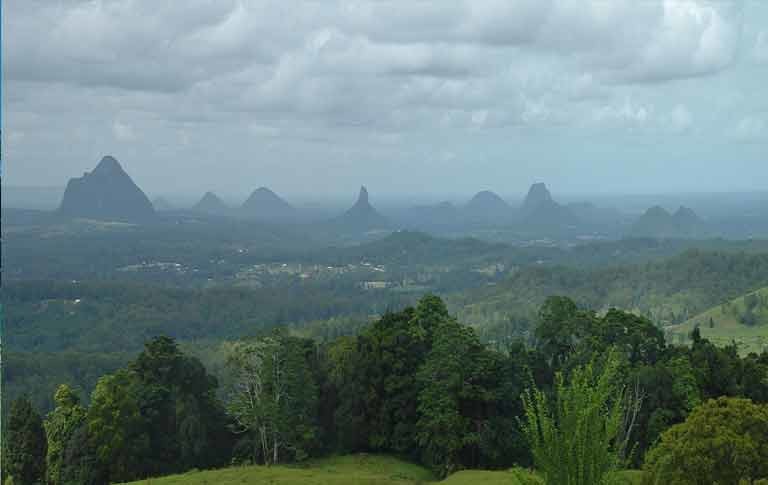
[352,470]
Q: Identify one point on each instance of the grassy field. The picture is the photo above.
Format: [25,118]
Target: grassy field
[355,470]
[723,324]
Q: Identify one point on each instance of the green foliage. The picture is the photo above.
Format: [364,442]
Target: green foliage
[186,423]
[116,427]
[576,435]
[60,425]
[24,445]
[667,292]
[451,375]
[722,442]
[80,464]
[274,398]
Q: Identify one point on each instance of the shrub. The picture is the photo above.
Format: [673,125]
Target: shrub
[723,441]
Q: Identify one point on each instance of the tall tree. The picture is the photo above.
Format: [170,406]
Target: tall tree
[117,428]
[274,397]
[24,445]
[458,393]
[176,397]
[60,425]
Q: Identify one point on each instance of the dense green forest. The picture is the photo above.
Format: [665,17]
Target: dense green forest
[668,292]
[76,326]
[352,360]
[419,384]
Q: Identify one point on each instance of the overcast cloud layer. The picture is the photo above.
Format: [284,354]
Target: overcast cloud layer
[441,97]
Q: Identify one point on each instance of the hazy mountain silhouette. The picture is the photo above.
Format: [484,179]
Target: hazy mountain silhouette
[487,206]
[212,204]
[263,204]
[106,193]
[657,222]
[362,216]
[538,196]
[540,209]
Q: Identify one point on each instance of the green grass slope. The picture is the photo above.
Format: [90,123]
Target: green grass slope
[344,470]
[743,320]
[360,469]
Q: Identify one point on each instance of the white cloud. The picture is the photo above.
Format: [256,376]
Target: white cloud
[123,131]
[679,119]
[628,112]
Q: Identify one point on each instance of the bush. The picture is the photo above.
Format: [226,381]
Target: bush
[722,442]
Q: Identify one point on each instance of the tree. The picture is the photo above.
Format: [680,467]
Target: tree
[448,379]
[274,398]
[25,446]
[577,438]
[116,427]
[722,441]
[176,396]
[391,351]
[60,425]
[80,464]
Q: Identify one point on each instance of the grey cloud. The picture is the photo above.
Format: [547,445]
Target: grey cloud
[242,82]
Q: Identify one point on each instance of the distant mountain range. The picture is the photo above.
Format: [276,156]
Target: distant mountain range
[657,222]
[106,193]
[109,193]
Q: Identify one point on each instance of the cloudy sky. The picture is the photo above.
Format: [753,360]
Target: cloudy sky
[408,97]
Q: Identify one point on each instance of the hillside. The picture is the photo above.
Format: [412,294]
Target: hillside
[743,320]
[360,469]
[668,292]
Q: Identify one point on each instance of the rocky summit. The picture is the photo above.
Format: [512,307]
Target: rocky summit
[362,216]
[540,209]
[211,204]
[538,196]
[264,204]
[106,193]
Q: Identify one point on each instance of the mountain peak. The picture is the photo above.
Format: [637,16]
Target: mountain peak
[211,203]
[538,195]
[362,215]
[108,193]
[657,211]
[686,214]
[362,198]
[108,164]
[265,204]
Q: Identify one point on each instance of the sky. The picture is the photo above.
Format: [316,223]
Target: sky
[409,97]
